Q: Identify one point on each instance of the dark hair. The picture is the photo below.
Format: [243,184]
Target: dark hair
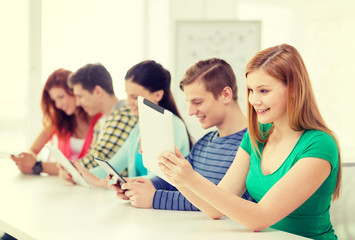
[215,73]
[92,75]
[153,77]
[52,116]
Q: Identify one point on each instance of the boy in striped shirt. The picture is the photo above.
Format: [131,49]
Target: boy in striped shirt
[211,90]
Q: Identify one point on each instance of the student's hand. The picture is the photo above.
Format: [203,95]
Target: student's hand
[140,192]
[63,174]
[117,188]
[176,167]
[89,176]
[25,161]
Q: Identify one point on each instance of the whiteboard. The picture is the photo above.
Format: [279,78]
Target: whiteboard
[234,41]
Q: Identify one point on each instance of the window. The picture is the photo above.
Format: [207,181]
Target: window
[14,69]
[73,33]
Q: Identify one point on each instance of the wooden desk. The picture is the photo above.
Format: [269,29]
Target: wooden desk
[46,208]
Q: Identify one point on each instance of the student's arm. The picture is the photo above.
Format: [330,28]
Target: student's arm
[43,137]
[292,190]
[237,174]
[159,183]
[167,197]
[172,200]
[25,161]
[50,167]
[142,194]
[88,176]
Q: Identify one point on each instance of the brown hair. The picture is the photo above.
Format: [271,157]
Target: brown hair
[52,116]
[215,73]
[285,63]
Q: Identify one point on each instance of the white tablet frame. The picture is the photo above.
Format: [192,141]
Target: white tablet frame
[157,134]
[68,166]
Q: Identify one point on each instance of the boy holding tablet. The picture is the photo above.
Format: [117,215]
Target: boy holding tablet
[211,90]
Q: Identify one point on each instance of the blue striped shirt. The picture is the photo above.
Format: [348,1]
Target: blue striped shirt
[211,157]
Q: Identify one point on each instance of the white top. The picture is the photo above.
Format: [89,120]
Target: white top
[76,145]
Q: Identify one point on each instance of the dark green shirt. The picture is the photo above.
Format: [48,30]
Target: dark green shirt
[312,218]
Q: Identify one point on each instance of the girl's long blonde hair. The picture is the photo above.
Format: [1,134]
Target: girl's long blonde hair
[285,63]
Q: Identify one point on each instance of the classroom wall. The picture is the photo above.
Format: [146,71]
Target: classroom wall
[321,30]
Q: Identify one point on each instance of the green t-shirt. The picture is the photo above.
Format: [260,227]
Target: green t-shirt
[312,218]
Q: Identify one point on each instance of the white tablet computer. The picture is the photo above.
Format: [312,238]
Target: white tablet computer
[68,166]
[157,134]
[5,154]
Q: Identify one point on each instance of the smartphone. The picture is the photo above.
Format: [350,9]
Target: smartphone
[110,170]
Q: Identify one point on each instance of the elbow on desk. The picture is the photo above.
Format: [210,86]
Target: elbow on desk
[257,227]
[215,216]
[252,227]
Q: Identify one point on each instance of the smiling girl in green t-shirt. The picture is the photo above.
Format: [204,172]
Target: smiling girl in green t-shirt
[289,159]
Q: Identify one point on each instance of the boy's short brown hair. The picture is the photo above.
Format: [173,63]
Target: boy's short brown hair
[216,74]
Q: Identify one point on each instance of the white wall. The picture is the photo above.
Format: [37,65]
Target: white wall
[322,31]
[79,32]
[14,72]
[120,33]
[342,210]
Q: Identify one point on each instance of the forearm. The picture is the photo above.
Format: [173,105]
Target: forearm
[50,168]
[41,139]
[167,197]
[101,183]
[200,203]
[172,200]
[215,202]
[160,183]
